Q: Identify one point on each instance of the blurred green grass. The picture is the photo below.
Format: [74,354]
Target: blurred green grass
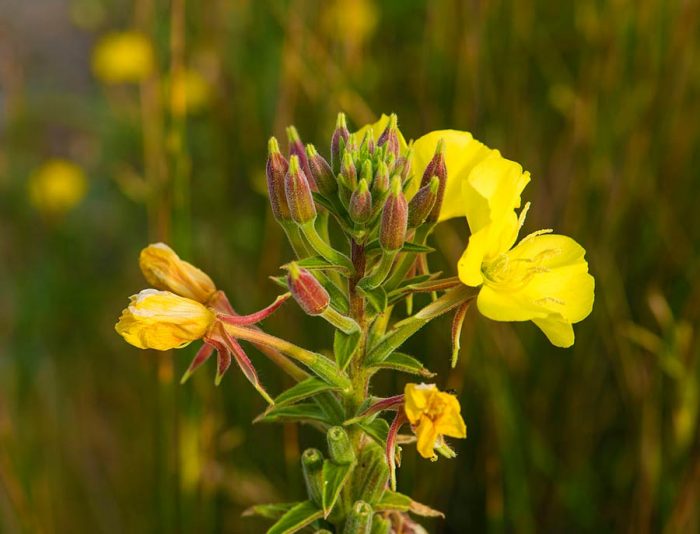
[598,100]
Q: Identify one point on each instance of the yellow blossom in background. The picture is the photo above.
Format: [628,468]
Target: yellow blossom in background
[164,269]
[124,57]
[432,414]
[377,128]
[189,92]
[463,156]
[57,186]
[162,320]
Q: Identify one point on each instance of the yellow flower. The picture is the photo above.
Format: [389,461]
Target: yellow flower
[377,128]
[123,58]
[164,269]
[161,320]
[432,414]
[464,158]
[57,186]
[189,92]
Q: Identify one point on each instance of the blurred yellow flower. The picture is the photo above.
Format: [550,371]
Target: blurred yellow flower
[162,320]
[164,269]
[124,57]
[189,92]
[57,186]
[463,156]
[432,414]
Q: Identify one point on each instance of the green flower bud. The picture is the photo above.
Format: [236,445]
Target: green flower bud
[348,170]
[276,169]
[359,519]
[436,167]
[392,229]
[381,179]
[298,193]
[312,467]
[390,136]
[339,446]
[321,172]
[311,296]
[422,203]
[338,141]
[360,208]
[371,475]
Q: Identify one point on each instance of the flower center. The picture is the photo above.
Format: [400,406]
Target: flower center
[509,273]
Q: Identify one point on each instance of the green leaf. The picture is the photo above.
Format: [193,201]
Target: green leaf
[338,299]
[378,429]
[334,477]
[416,248]
[376,297]
[269,511]
[303,514]
[344,347]
[393,501]
[334,411]
[314,263]
[404,363]
[305,411]
[280,281]
[303,390]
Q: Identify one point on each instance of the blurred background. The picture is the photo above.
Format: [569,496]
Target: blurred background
[125,122]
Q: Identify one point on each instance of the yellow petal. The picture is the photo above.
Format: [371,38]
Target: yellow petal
[426,434]
[417,397]
[559,332]
[162,320]
[450,422]
[462,154]
[492,190]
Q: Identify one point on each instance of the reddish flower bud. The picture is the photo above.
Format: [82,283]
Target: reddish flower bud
[341,133]
[403,165]
[311,296]
[390,136]
[436,167]
[296,148]
[321,172]
[422,203]
[298,193]
[276,169]
[392,229]
[360,208]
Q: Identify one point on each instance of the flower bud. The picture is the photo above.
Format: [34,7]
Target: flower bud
[311,296]
[276,170]
[371,474]
[403,165]
[436,167]
[359,519]
[162,320]
[422,203]
[339,446]
[164,269]
[390,137]
[321,172]
[348,170]
[338,141]
[296,148]
[392,229]
[298,193]
[312,468]
[360,208]
[381,179]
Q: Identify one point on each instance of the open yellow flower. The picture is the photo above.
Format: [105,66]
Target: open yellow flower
[57,186]
[123,57]
[463,157]
[164,269]
[432,414]
[161,320]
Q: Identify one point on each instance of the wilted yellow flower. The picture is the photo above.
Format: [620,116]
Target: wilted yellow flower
[57,186]
[189,92]
[432,414]
[161,320]
[164,269]
[123,58]
[543,279]
[463,156]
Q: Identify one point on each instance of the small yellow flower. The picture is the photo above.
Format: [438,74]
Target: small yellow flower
[432,414]
[189,92]
[164,269]
[472,167]
[161,320]
[57,186]
[124,57]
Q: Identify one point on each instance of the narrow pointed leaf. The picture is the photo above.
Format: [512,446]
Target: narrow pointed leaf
[376,297]
[334,478]
[424,510]
[344,347]
[404,363]
[416,248]
[269,511]
[377,430]
[298,517]
[457,323]
[304,389]
[302,412]
[393,501]
[318,263]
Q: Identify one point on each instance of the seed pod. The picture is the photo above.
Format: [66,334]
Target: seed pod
[360,208]
[338,141]
[296,148]
[422,203]
[311,296]
[390,136]
[312,467]
[339,446]
[436,167]
[298,193]
[392,229]
[276,169]
[321,172]
[359,519]
[371,474]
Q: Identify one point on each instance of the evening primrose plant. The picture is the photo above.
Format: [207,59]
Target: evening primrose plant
[384,196]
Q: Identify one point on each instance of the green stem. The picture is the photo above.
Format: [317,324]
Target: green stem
[340,321]
[322,247]
[380,271]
